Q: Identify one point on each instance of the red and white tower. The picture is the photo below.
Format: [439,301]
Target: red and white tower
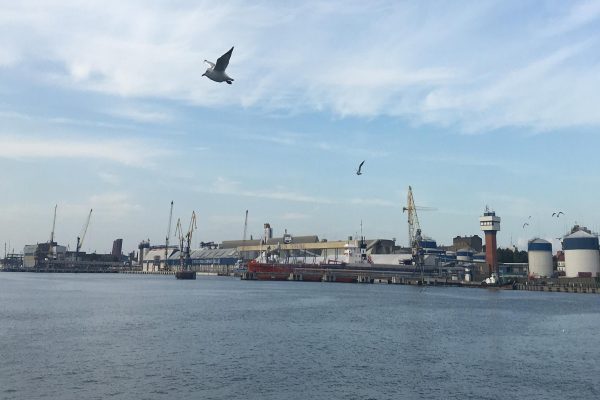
[490,224]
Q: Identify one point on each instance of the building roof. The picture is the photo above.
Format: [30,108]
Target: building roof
[295,239]
[214,253]
[538,240]
[579,234]
[232,244]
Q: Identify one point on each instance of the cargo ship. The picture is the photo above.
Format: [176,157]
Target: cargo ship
[354,266]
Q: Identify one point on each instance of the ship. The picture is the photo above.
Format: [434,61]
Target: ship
[185,274]
[354,266]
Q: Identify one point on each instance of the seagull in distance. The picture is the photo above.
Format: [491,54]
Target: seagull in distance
[358,171]
[216,72]
[557,214]
[525,224]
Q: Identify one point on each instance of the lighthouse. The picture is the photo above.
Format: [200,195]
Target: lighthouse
[490,224]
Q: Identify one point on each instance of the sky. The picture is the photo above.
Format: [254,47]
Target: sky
[103,106]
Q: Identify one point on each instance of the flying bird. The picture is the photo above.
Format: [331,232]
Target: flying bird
[525,224]
[216,72]
[557,214]
[358,171]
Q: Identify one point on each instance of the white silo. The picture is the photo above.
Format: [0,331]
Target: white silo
[465,254]
[539,253]
[581,254]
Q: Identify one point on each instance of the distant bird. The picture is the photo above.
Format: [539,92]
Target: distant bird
[557,214]
[358,171]
[216,72]
[525,224]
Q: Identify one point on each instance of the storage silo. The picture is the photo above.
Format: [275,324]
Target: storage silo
[539,253]
[581,254]
[464,255]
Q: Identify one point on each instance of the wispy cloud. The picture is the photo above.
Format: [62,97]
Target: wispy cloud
[112,150]
[374,202]
[420,61]
[142,115]
[109,178]
[294,216]
[313,141]
[115,203]
[226,186]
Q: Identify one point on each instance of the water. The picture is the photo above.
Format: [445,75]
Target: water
[92,336]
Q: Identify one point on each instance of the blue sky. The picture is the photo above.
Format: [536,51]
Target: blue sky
[103,106]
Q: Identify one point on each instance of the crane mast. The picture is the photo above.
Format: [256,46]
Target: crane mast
[179,234]
[414,228]
[189,234]
[81,236]
[168,236]
[53,226]
[245,226]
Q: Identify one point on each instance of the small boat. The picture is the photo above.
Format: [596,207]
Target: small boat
[185,274]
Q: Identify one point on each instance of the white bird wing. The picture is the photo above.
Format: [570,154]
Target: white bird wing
[223,61]
[210,63]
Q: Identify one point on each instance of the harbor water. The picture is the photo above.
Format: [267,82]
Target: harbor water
[99,336]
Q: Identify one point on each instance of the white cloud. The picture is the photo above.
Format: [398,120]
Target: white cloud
[226,186]
[470,65]
[579,15]
[113,150]
[114,203]
[142,115]
[374,202]
[109,178]
[294,216]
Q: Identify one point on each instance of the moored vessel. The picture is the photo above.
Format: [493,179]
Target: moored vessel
[186,274]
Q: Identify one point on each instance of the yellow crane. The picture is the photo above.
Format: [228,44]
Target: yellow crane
[414,229]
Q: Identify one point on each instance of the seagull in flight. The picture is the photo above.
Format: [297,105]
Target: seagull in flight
[525,224]
[557,214]
[216,72]
[358,171]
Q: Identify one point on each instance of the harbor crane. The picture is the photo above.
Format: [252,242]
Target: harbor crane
[81,236]
[245,226]
[185,241]
[52,244]
[180,237]
[414,229]
[189,235]
[53,226]
[167,238]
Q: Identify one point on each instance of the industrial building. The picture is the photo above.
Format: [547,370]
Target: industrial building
[472,242]
[52,257]
[220,261]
